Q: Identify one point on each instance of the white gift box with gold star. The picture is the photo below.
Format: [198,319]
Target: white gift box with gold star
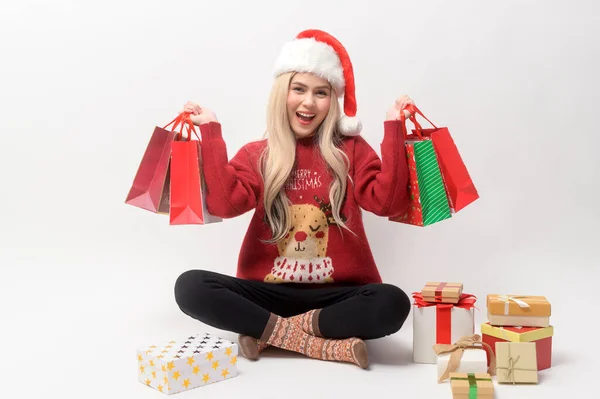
[185,364]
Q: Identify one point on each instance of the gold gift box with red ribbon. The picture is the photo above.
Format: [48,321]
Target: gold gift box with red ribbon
[518,310]
[442,292]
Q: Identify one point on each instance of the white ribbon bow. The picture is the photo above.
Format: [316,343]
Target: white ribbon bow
[507,298]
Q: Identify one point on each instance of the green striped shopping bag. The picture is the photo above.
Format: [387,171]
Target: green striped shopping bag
[429,200]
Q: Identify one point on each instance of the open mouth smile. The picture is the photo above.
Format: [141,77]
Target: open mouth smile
[305,118]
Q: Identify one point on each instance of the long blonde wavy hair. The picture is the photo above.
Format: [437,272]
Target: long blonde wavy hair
[279,156]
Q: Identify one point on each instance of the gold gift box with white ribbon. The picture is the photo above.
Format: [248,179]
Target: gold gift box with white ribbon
[518,310]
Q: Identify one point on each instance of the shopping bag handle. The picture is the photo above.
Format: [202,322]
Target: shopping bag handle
[416,111]
[184,119]
[176,121]
[187,120]
[413,120]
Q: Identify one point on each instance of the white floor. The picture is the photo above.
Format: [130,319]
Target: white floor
[73,332]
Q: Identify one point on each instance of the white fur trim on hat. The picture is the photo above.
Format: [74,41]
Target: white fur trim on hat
[309,55]
[349,126]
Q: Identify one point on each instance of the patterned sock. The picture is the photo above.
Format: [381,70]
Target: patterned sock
[309,322]
[287,333]
[251,347]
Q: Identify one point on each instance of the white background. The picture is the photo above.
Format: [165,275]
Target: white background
[87,279]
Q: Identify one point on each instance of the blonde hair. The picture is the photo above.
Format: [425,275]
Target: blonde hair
[278,158]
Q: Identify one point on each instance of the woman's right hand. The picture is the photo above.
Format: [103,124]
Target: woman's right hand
[401,103]
[199,115]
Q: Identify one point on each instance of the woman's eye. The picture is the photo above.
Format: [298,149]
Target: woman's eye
[313,229]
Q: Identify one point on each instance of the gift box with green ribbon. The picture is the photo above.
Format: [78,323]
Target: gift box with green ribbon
[471,386]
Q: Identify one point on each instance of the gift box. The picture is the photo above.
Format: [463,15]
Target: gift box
[518,310]
[442,292]
[186,364]
[516,363]
[541,336]
[468,355]
[440,323]
[471,386]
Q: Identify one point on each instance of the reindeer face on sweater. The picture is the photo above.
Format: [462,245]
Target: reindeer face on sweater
[308,235]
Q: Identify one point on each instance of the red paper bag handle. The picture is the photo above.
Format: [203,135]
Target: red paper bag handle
[190,127]
[177,121]
[413,111]
[185,119]
[403,123]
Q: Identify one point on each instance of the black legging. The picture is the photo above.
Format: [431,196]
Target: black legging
[244,306]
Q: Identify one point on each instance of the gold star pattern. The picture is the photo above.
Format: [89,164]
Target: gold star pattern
[154,366]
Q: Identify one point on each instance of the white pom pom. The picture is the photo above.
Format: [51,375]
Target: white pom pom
[349,126]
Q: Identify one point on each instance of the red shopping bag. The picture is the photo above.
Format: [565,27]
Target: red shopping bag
[428,198]
[150,188]
[188,191]
[459,185]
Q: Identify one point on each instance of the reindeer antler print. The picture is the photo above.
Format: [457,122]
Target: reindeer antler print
[326,208]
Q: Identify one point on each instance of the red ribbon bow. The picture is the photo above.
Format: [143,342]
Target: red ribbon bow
[443,321]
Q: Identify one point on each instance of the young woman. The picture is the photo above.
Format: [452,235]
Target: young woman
[306,278]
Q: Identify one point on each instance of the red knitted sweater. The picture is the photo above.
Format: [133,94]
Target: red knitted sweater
[316,250]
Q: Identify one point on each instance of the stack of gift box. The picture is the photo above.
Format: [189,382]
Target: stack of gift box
[513,345]
[519,331]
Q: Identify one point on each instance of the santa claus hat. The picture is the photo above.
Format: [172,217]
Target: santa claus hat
[320,53]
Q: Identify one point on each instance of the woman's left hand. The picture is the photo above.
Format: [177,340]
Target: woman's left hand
[401,102]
